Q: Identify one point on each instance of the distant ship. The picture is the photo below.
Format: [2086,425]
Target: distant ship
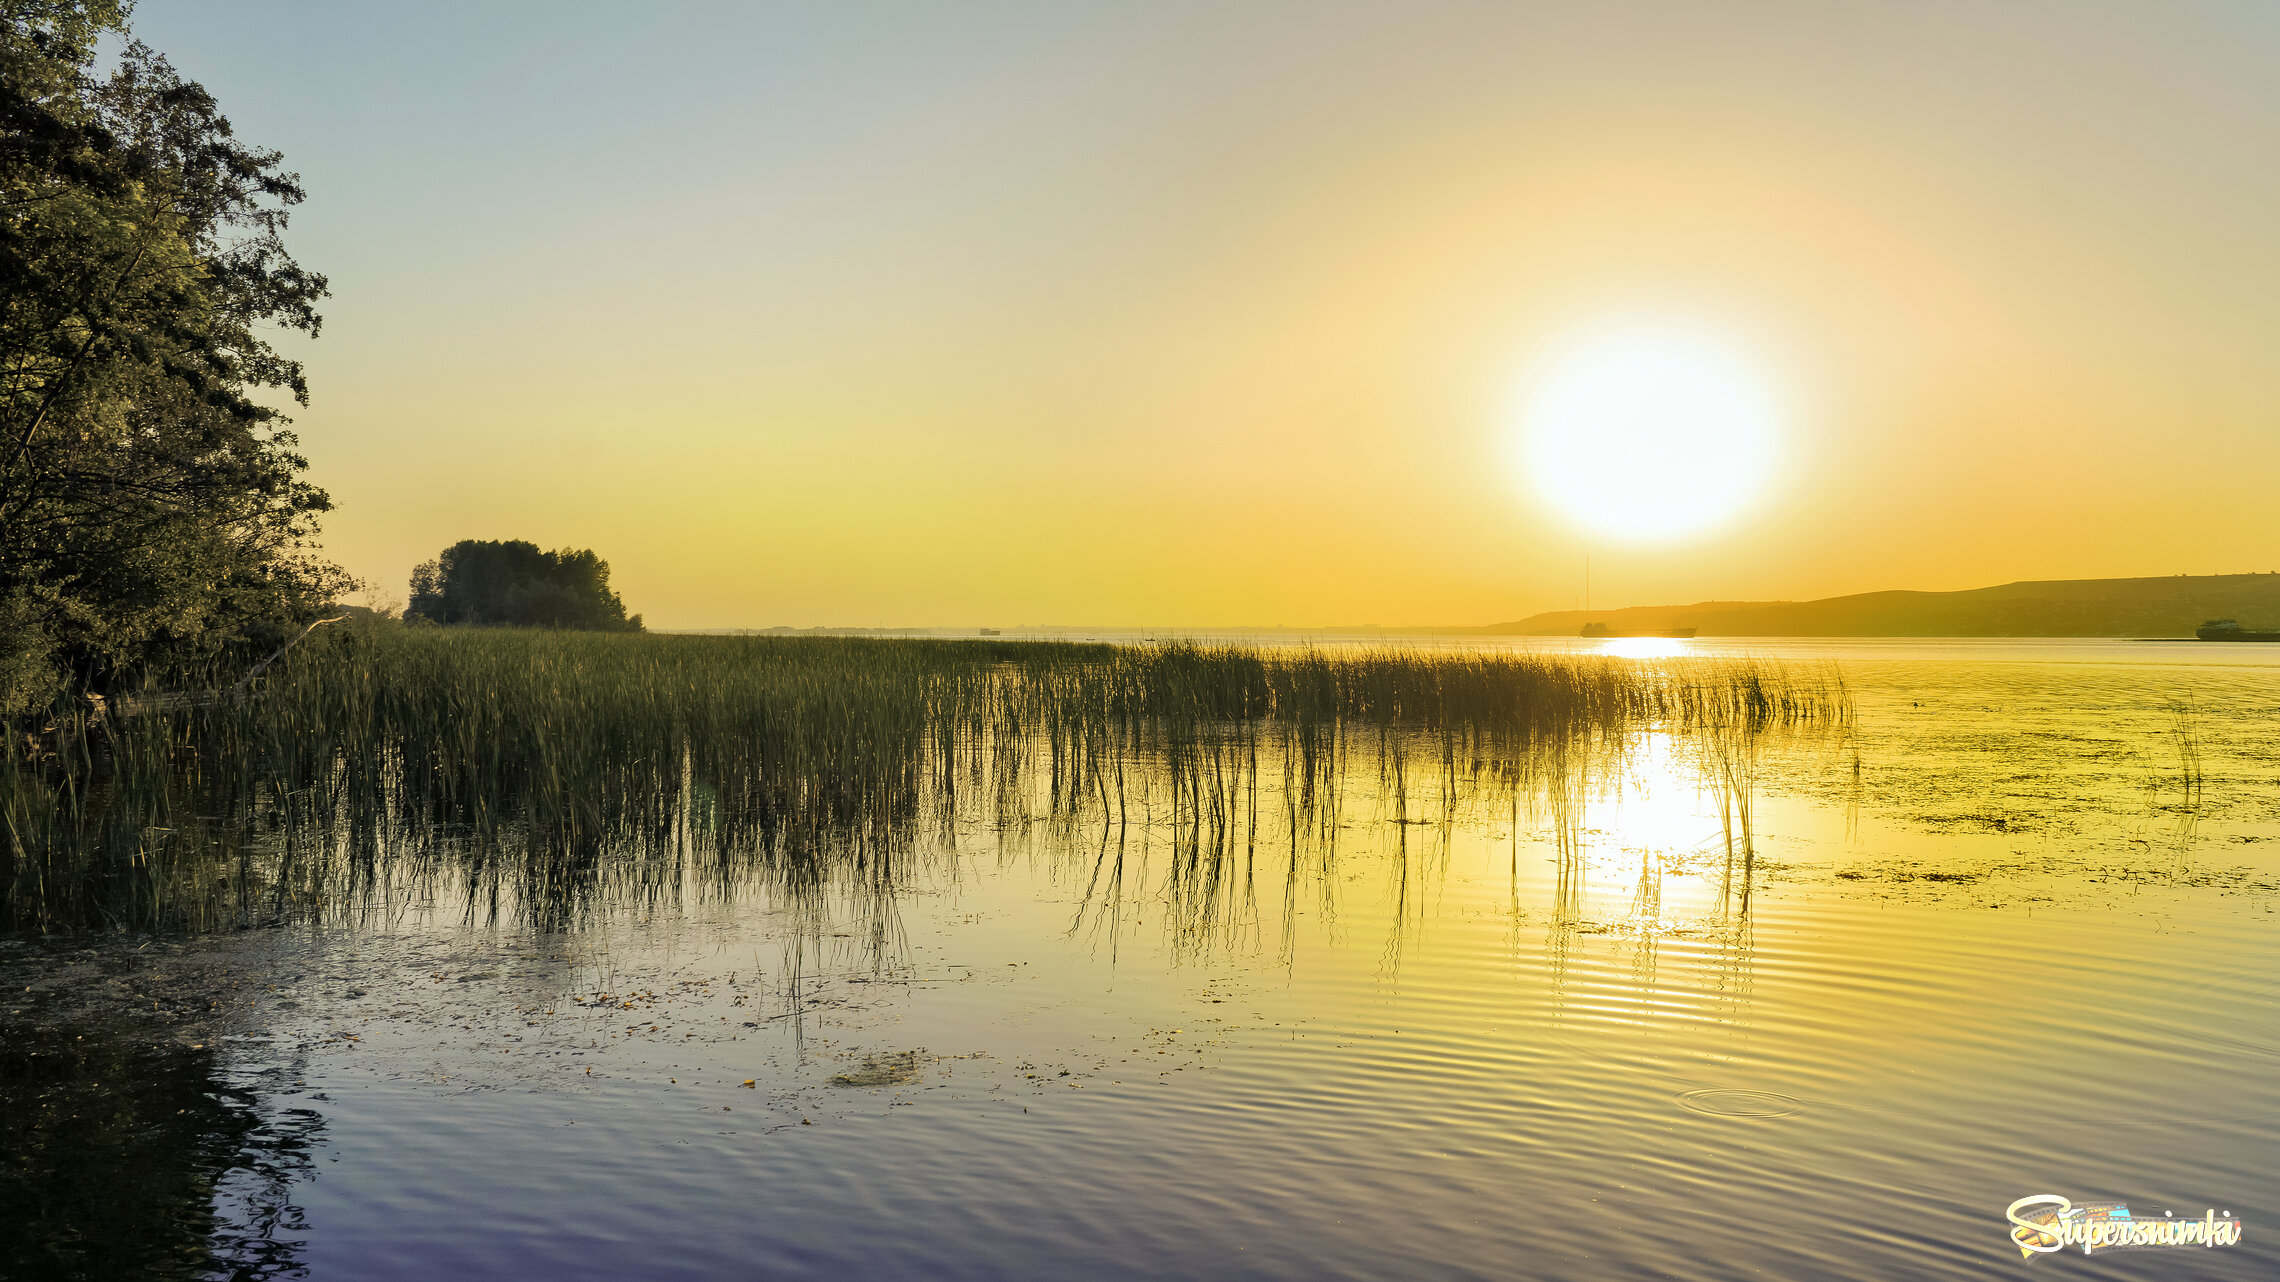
[2227,630]
[1602,630]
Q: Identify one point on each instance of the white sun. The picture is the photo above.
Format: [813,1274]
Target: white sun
[1649,430]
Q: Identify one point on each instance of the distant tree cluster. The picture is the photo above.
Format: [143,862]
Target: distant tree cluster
[514,584]
[150,502]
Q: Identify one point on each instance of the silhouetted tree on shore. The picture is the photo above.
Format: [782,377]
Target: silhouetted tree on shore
[514,584]
[150,505]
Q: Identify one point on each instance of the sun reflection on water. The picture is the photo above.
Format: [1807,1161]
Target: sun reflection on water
[1645,648]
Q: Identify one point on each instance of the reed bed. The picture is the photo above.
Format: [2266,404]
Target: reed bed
[552,772]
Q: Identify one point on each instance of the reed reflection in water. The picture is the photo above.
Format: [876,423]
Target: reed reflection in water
[540,780]
[549,784]
[1386,960]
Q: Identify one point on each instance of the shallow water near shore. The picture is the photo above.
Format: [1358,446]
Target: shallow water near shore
[2012,932]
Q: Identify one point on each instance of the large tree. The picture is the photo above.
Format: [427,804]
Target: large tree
[513,584]
[150,500]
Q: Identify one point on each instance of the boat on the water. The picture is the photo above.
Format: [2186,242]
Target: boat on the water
[2228,630]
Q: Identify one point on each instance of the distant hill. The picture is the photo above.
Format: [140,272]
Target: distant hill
[2165,607]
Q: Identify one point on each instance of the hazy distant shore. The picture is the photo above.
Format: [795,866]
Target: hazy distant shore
[2152,609]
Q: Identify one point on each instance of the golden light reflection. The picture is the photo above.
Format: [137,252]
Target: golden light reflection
[1658,819]
[1645,648]
[1662,874]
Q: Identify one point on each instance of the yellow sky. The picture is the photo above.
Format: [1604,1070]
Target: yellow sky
[1188,314]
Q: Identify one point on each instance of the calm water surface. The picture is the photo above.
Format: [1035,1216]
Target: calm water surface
[2012,934]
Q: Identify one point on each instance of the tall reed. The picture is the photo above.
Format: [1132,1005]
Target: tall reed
[549,771]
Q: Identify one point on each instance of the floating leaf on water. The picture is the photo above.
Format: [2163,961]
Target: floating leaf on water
[882,1070]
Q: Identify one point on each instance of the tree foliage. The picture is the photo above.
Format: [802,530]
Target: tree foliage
[513,584]
[150,501]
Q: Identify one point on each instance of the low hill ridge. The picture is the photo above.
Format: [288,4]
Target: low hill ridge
[2161,607]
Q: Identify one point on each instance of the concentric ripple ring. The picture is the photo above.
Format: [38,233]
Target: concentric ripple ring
[1720,1102]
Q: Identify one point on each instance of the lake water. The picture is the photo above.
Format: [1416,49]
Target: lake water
[2012,933]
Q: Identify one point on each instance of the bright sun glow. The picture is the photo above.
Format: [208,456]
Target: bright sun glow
[1649,430]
